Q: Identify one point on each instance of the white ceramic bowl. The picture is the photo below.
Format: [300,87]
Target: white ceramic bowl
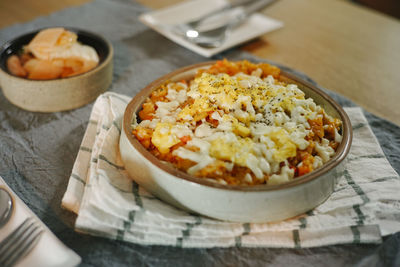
[262,203]
[57,94]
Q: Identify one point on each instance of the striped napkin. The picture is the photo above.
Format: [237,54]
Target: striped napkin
[363,208]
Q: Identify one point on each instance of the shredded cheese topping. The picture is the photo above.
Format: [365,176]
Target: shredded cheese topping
[239,129]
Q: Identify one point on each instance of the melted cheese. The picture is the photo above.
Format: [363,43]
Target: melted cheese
[324,150]
[163,137]
[261,124]
[285,176]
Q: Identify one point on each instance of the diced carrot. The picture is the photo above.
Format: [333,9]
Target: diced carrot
[303,170]
[147,112]
[185,139]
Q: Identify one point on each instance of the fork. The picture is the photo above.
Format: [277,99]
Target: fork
[214,37]
[17,244]
[193,24]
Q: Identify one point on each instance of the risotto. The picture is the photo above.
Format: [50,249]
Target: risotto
[236,123]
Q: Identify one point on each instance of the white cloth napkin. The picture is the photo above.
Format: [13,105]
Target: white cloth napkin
[164,20]
[49,251]
[363,208]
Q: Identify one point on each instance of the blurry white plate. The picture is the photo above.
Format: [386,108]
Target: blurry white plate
[161,21]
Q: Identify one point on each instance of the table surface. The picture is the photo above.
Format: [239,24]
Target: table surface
[340,41]
[357,58]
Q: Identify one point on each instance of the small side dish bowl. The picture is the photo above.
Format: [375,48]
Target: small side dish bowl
[259,203]
[57,94]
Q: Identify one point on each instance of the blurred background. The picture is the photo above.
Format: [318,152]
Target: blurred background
[19,10]
[389,7]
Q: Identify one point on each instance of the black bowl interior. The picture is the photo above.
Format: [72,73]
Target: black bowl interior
[14,46]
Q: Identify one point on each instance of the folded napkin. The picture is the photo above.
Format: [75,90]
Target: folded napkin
[49,251]
[362,209]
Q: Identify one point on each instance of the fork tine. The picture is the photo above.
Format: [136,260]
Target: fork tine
[10,239]
[19,242]
[25,247]
[11,248]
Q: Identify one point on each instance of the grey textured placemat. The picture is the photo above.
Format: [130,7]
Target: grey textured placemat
[37,150]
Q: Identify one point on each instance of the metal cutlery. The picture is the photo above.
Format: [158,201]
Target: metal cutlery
[193,24]
[17,244]
[215,36]
[6,206]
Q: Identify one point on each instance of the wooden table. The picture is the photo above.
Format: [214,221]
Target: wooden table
[344,47]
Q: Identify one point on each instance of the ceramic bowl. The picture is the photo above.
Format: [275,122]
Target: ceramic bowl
[57,94]
[261,203]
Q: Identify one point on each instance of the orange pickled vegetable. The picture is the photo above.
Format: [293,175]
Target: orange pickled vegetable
[15,67]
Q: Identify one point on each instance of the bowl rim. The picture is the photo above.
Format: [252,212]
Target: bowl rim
[341,152]
[4,47]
